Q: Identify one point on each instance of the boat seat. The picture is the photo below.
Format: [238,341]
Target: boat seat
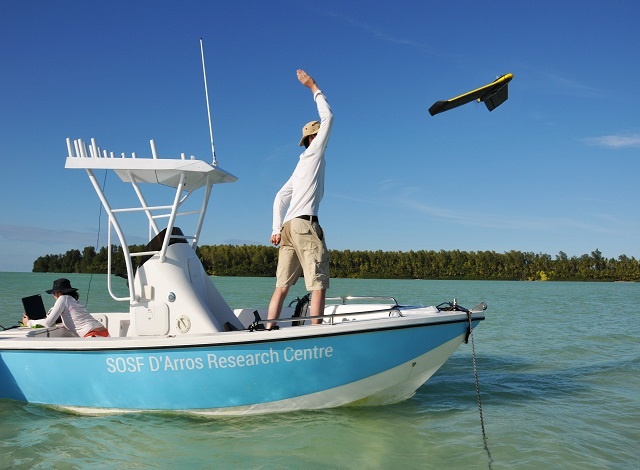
[155,244]
[57,331]
[102,318]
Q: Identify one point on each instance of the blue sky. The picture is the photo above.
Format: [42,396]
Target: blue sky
[555,168]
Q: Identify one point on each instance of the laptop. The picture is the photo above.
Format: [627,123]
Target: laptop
[34,307]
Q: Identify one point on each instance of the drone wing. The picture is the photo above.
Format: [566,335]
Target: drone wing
[493,95]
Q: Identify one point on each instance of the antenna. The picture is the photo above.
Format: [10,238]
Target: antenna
[206,92]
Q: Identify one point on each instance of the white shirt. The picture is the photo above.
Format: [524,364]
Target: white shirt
[302,193]
[74,316]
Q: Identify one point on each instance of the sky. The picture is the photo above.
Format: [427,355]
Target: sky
[555,168]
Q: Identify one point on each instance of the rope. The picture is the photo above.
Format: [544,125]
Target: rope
[104,182]
[475,373]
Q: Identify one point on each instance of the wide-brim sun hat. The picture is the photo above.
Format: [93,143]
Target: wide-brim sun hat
[309,128]
[61,285]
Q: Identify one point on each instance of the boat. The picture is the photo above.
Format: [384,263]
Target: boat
[179,347]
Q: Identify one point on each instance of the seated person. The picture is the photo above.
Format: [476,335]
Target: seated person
[74,315]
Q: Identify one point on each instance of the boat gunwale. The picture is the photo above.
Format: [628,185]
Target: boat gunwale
[160,342]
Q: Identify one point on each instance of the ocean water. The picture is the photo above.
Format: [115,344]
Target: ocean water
[558,367]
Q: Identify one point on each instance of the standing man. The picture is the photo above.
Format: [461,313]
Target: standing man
[302,245]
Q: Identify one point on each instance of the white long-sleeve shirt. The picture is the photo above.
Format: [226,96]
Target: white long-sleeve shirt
[74,316]
[302,193]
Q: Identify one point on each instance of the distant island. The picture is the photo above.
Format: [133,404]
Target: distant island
[261,261]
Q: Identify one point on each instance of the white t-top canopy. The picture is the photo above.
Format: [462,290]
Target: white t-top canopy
[148,170]
[156,170]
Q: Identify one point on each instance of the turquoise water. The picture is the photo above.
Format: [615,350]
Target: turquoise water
[559,370]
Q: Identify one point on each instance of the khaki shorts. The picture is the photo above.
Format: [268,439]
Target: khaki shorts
[303,250]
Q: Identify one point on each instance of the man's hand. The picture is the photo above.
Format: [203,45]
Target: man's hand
[275,239]
[307,81]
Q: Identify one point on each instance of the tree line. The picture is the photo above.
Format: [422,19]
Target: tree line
[261,261]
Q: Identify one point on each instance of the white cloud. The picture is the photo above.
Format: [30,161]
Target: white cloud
[379,33]
[615,141]
[593,223]
[45,237]
[50,238]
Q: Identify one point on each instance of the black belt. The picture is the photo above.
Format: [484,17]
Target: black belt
[310,218]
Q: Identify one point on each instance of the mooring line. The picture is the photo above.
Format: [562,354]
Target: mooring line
[475,373]
[104,182]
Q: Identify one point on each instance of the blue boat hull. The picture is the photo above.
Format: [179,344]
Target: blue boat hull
[254,376]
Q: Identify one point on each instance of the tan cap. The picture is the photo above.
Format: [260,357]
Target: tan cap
[310,128]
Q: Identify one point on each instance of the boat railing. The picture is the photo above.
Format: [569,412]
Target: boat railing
[184,175]
[393,310]
[357,298]
[154,230]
